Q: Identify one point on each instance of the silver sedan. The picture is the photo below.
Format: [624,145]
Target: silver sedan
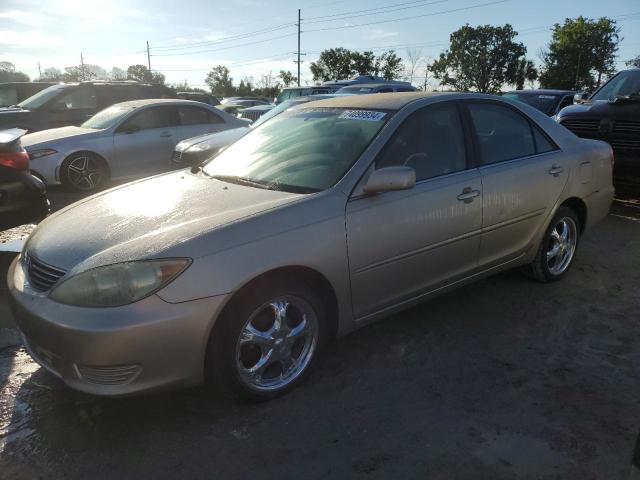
[326,218]
[126,140]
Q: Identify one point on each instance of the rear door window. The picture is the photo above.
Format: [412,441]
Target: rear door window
[197,116]
[502,133]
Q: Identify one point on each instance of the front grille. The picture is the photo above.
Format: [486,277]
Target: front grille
[581,125]
[627,126]
[252,115]
[115,375]
[177,156]
[42,277]
[624,144]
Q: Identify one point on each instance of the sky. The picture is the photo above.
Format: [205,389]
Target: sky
[255,37]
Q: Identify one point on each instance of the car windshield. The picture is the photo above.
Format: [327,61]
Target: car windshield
[303,150]
[42,97]
[108,117]
[625,84]
[543,102]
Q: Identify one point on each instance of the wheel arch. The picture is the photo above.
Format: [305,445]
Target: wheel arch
[580,208]
[312,276]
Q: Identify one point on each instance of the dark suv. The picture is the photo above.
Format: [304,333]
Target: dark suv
[73,103]
[611,114]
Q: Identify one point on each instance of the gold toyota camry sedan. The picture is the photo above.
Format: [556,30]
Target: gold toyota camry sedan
[328,217]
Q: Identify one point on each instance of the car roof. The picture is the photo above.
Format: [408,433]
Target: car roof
[376,84]
[160,101]
[542,91]
[384,101]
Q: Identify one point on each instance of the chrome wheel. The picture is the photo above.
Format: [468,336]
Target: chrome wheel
[85,172]
[277,343]
[562,245]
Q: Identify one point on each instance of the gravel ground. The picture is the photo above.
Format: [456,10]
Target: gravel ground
[518,380]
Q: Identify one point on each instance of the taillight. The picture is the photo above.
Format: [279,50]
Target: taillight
[16,160]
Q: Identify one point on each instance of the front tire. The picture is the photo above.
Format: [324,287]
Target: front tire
[83,172]
[267,339]
[558,247]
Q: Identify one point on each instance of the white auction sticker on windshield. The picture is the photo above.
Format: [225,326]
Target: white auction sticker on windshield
[367,115]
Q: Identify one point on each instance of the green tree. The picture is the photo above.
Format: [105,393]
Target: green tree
[220,81]
[141,73]
[8,73]
[340,63]
[483,58]
[635,62]
[581,52]
[388,65]
[527,71]
[287,78]
[52,74]
[333,64]
[363,63]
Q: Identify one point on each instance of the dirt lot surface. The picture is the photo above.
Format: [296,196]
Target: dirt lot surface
[503,379]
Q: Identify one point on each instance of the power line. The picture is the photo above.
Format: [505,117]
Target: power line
[230,38]
[373,11]
[223,48]
[432,14]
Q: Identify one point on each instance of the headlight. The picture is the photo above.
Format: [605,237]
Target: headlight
[118,284]
[199,147]
[41,153]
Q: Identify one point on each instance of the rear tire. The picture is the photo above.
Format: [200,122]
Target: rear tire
[84,172]
[267,339]
[557,248]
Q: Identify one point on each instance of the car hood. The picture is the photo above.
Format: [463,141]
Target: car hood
[143,219]
[215,140]
[601,108]
[55,134]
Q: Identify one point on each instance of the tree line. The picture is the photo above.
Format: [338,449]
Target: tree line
[580,55]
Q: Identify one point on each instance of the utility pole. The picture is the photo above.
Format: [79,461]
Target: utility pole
[82,65]
[39,70]
[148,56]
[578,70]
[298,47]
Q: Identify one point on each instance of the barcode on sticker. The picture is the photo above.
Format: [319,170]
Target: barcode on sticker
[363,115]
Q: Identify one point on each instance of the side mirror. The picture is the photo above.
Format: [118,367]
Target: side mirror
[580,98]
[389,179]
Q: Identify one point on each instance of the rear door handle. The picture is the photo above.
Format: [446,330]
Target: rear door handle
[556,170]
[165,134]
[468,194]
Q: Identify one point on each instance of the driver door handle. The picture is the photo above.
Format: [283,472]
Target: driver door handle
[556,170]
[165,134]
[468,194]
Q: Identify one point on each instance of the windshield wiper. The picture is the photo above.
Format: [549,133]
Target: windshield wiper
[241,181]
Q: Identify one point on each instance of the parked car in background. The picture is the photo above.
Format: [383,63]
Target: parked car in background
[366,88]
[255,112]
[23,197]
[547,101]
[294,92]
[126,140]
[251,101]
[12,93]
[199,97]
[73,103]
[322,220]
[611,114]
[195,151]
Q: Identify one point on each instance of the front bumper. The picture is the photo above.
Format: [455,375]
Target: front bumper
[148,345]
